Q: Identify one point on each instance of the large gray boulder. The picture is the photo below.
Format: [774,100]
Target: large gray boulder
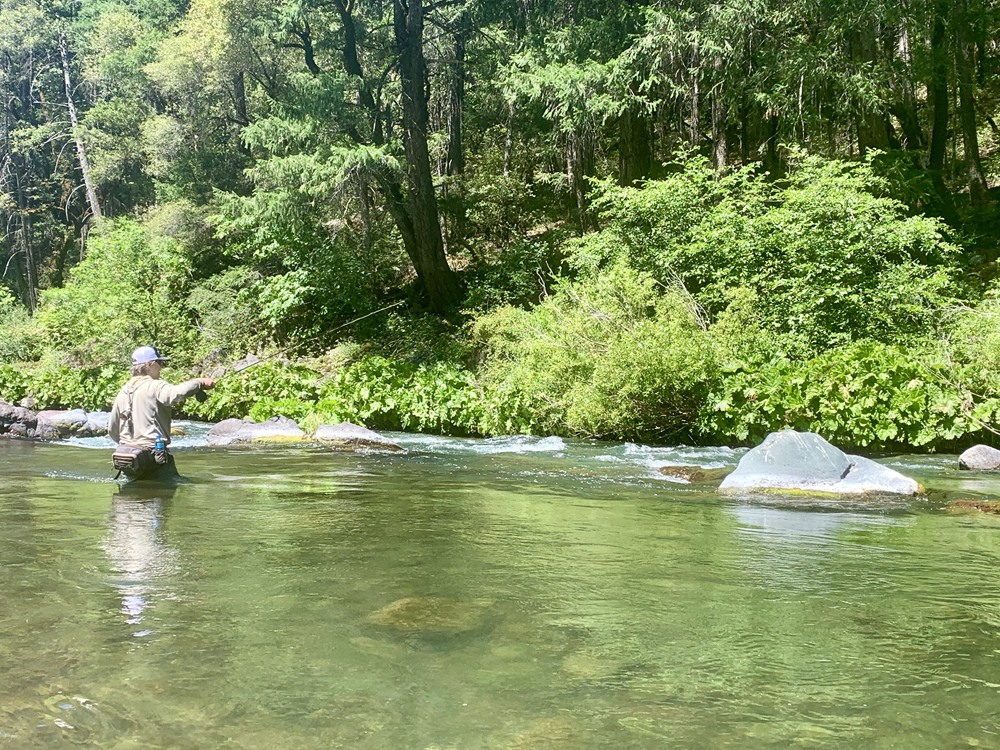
[275,430]
[68,419]
[980,458]
[73,423]
[803,461]
[16,421]
[52,424]
[97,422]
[347,436]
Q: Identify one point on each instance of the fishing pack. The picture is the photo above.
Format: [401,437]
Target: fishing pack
[133,461]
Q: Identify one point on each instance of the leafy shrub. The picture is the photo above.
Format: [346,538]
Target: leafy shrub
[308,227]
[412,337]
[20,337]
[397,395]
[502,208]
[227,308]
[829,258]
[865,394]
[92,389]
[60,387]
[14,383]
[261,391]
[517,275]
[128,291]
[608,356]
[974,344]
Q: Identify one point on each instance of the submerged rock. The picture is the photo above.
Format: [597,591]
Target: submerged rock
[980,458]
[349,436]
[433,615]
[551,733]
[693,474]
[275,430]
[973,506]
[804,461]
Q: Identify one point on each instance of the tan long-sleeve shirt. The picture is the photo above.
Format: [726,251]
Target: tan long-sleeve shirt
[143,408]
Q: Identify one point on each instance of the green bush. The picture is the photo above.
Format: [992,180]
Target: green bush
[412,337]
[517,275]
[14,383]
[227,309]
[829,258]
[60,387]
[973,344]
[128,291]
[260,392]
[614,355]
[395,395]
[21,339]
[866,394]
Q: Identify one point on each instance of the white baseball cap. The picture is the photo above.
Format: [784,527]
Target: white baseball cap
[145,354]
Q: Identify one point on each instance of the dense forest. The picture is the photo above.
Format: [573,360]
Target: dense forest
[667,222]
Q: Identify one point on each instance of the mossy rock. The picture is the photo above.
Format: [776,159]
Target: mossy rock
[694,474]
[433,615]
[275,430]
[551,733]
[350,437]
[972,506]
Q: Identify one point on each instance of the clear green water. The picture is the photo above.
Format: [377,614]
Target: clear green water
[486,594]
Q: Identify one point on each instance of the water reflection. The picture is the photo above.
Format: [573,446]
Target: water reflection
[137,551]
[800,526]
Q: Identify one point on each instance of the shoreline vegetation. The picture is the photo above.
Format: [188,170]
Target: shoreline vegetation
[823,306]
[602,220]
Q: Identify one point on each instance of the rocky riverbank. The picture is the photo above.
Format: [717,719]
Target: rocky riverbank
[22,422]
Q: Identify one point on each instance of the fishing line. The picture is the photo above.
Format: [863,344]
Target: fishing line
[298,344]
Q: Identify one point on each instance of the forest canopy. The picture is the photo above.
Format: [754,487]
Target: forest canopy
[645,220]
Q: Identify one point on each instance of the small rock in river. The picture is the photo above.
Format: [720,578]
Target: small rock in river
[693,474]
[347,436]
[433,615]
[983,506]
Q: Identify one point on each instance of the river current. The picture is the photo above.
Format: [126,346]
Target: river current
[518,593]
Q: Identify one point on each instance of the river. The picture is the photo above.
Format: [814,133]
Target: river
[518,593]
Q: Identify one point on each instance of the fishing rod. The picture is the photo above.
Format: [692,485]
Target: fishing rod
[201,396]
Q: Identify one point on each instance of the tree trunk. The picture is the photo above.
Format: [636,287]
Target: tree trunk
[772,160]
[508,140]
[695,124]
[425,245]
[635,154]
[719,121]
[81,149]
[939,100]
[967,110]
[456,105]
[455,161]
[905,106]
[352,64]
[24,239]
[871,125]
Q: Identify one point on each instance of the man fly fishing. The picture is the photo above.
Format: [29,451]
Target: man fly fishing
[140,417]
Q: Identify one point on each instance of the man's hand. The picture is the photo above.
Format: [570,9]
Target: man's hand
[207,383]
